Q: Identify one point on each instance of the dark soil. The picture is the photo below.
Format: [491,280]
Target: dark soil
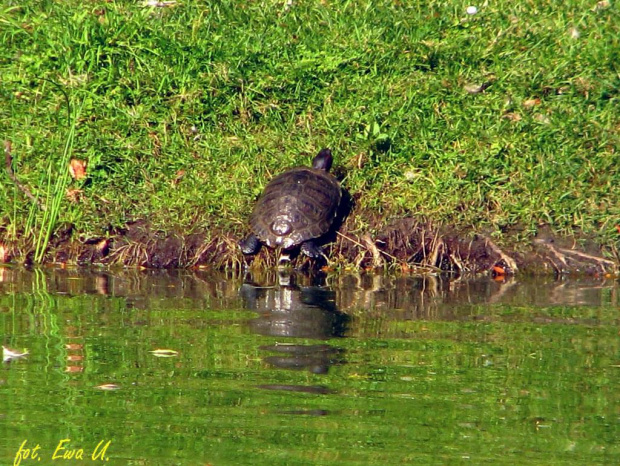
[406,245]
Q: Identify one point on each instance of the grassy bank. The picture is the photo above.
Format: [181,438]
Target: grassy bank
[508,117]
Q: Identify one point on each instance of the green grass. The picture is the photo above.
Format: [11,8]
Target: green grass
[187,111]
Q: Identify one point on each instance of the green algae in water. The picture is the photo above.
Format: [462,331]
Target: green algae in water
[494,383]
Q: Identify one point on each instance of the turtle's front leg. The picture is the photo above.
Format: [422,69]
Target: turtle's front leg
[250,245]
[310,249]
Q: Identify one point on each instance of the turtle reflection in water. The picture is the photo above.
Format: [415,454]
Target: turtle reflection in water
[296,208]
[307,312]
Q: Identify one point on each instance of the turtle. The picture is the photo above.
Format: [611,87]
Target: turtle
[296,208]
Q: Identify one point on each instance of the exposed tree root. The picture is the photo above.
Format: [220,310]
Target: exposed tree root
[508,262]
[569,260]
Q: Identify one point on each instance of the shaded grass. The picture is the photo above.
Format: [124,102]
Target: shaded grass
[187,111]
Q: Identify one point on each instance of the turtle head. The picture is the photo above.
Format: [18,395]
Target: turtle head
[323,161]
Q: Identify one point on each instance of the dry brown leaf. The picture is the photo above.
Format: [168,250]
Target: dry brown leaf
[74,194]
[477,88]
[77,169]
[602,5]
[531,103]
[180,174]
[512,116]
[542,118]
[100,13]
[473,88]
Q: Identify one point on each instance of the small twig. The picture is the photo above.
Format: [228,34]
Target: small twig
[377,260]
[458,263]
[365,247]
[436,247]
[590,257]
[8,158]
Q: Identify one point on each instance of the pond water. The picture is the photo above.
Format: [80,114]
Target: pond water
[354,369]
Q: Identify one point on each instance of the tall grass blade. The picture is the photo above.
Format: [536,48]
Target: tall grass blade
[57,180]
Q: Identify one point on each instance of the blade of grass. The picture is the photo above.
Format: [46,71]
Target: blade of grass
[55,191]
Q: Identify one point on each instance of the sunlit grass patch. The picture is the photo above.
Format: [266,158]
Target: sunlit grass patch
[503,117]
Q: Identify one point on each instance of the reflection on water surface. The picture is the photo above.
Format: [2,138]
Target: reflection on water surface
[292,370]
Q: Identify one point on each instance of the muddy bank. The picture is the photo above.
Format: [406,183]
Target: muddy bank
[406,245]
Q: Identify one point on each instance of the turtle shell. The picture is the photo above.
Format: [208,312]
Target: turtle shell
[296,206]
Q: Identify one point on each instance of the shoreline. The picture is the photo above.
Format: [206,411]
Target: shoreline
[406,246]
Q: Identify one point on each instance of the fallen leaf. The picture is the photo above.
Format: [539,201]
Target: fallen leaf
[472,88]
[74,195]
[180,174]
[531,103]
[542,118]
[77,169]
[100,14]
[602,5]
[164,353]
[512,116]
[410,175]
